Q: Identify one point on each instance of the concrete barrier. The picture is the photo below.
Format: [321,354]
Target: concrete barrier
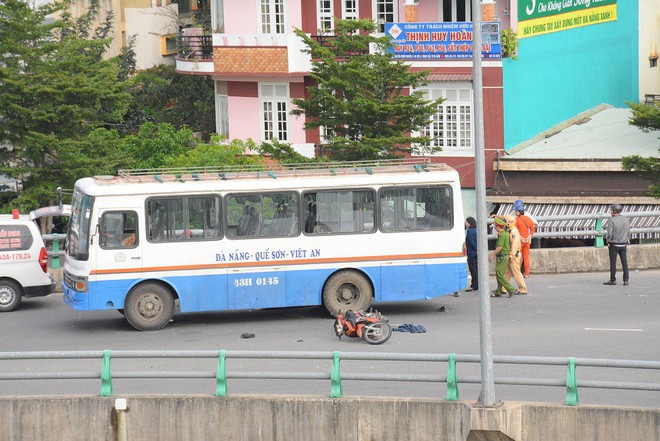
[590,259]
[288,418]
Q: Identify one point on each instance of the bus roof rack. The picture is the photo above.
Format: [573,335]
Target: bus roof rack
[271,170]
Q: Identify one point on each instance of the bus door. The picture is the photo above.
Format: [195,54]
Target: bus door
[117,254]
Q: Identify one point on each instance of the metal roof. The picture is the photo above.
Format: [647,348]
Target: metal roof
[469,196]
[541,210]
[605,134]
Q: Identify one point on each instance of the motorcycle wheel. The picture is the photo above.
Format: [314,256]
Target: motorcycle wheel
[376,333]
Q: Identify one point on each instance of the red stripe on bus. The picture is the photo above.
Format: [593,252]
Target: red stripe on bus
[276,263]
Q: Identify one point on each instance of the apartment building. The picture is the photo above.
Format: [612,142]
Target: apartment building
[258,65]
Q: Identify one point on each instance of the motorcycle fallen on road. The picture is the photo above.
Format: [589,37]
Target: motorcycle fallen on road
[369,325]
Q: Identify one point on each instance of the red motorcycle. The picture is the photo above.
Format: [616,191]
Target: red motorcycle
[369,325]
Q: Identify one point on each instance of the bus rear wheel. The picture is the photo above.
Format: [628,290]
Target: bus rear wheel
[346,290]
[149,307]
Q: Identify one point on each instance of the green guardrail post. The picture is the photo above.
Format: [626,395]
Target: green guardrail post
[600,238]
[452,381]
[106,376]
[571,384]
[55,248]
[336,390]
[221,376]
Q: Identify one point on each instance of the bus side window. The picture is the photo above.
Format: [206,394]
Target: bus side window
[310,219]
[118,229]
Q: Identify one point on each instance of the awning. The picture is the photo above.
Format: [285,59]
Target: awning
[539,210]
[450,77]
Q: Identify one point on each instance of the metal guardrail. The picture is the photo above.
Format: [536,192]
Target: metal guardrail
[334,373]
[598,232]
[56,250]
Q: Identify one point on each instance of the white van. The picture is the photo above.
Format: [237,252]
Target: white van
[23,262]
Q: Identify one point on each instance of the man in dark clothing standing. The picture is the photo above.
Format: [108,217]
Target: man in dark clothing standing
[618,230]
[471,251]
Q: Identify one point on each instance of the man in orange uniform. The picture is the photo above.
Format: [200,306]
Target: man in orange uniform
[526,228]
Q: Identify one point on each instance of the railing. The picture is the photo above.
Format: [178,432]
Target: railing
[56,250]
[334,373]
[598,232]
[194,47]
[651,98]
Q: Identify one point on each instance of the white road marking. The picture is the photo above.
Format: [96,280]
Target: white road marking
[614,329]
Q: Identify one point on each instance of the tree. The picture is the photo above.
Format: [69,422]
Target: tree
[162,95]
[217,153]
[163,146]
[55,91]
[360,98]
[647,118]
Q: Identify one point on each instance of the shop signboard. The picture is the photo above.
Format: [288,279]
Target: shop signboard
[538,17]
[437,41]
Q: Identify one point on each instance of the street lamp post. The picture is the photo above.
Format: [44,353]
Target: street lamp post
[487,395]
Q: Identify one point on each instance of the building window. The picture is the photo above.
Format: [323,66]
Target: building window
[350,9]
[221,108]
[274,98]
[271,15]
[385,12]
[450,127]
[325,14]
[455,10]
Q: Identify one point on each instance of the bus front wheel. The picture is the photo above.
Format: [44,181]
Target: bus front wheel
[346,290]
[149,307]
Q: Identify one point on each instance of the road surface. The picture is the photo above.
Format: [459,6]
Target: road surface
[564,315]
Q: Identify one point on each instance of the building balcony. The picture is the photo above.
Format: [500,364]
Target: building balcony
[194,47]
[194,54]
[242,55]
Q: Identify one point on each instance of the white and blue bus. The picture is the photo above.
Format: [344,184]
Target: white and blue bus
[343,236]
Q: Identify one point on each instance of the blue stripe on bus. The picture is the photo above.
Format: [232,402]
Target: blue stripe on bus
[252,290]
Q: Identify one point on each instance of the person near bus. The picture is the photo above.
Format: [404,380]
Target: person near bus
[527,228]
[470,249]
[618,230]
[518,204]
[515,256]
[501,253]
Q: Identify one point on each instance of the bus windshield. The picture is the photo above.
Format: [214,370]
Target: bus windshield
[77,238]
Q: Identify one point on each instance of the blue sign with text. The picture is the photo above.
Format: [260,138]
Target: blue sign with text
[448,40]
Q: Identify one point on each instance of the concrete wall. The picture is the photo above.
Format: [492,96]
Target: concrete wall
[591,259]
[272,418]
